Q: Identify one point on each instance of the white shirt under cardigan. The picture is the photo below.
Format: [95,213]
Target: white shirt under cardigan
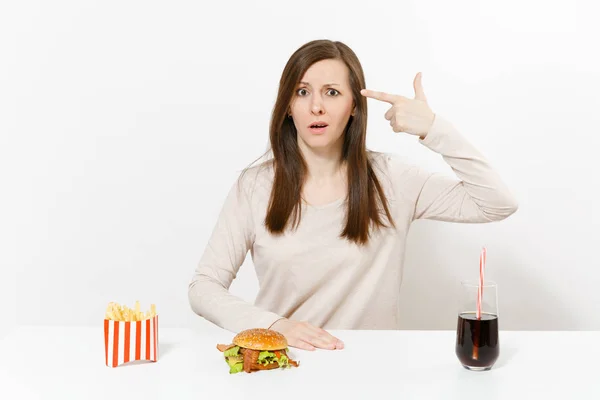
[310,274]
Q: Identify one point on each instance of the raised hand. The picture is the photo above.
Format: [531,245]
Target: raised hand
[412,116]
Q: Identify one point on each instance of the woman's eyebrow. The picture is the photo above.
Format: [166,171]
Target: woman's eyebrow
[327,84]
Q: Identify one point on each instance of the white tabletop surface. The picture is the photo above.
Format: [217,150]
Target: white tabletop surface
[68,363]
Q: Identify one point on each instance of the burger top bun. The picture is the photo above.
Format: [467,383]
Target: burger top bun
[260,339]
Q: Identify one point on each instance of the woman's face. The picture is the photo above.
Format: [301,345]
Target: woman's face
[323,96]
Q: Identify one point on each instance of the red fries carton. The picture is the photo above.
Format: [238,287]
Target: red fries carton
[130,335]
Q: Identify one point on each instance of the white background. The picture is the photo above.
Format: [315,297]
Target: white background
[123,125]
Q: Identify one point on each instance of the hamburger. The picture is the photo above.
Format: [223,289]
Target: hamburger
[257,349]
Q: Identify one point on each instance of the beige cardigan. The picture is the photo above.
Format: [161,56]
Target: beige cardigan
[311,274]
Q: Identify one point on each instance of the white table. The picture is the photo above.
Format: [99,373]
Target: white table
[68,363]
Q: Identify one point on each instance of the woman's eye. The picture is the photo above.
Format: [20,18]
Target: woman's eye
[331,92]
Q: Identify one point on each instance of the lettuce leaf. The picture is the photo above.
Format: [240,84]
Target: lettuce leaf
[236,364]
[237,367]
[266,357]
[234,360]
[265,354]
[232,352]
[283,361]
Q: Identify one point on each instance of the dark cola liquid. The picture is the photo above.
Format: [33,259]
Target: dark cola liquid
[477,343]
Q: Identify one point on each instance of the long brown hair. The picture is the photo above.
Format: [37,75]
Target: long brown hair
[366,198]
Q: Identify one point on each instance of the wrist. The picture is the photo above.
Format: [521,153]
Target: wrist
[276,322]
[424,135]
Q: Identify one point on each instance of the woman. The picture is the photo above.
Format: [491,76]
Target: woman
[325,219]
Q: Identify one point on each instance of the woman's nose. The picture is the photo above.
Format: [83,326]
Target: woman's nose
[317,107]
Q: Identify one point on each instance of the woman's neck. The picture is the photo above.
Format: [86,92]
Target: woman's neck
[323,165]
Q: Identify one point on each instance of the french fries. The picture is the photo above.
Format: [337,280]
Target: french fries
[116,312]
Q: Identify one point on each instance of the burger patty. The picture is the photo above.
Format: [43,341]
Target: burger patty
[258,367]
[250,359]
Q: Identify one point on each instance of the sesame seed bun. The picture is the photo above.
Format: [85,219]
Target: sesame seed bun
[260,339]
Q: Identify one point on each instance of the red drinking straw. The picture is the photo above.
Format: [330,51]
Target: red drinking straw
[482,259]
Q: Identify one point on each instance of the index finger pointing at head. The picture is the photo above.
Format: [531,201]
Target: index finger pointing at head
[388,98]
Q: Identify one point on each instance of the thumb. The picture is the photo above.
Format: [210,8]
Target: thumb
[418,85]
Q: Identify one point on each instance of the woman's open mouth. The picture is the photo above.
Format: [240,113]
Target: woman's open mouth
[318,128]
